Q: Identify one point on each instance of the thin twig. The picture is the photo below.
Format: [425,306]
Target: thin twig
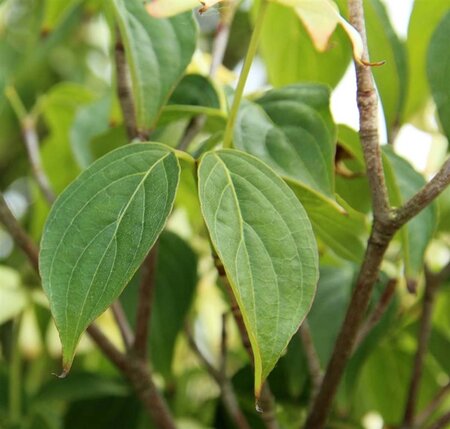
[425,196]
[32,145]
[222,36]
[21,238]
[228,395]
[378,312]
[194,126]
[312,358]
[123,324]
[442,422]
[432,406]
[28,127]
[223,346]
[146,291]
[431,286]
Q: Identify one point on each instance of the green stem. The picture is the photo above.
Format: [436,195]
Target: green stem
[244,74]
[16,103]
[15,375]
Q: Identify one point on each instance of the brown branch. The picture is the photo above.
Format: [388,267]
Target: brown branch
[146,291]
[20,237]
[312,358]
[431,286]
[345,343]
[432,406]
[123,325]
[368,119]
[442,422]
[424,197]
[378,312]
[228,395]
[386,223]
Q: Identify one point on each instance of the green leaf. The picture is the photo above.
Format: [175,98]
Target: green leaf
[99,232]
[291,129]
[343,229]
[403,182]
[424,19]
[54,13]
[392,77]
[304,63]
[195,90]
[176,279]
[333,296]
[158,52]
[264,239]
[438,68]
[90,121]
[175,282]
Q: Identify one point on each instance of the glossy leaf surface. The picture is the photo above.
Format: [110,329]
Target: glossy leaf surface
[264,239]
[100,230]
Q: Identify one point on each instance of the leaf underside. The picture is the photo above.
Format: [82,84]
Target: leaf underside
[264,239]
[99,232]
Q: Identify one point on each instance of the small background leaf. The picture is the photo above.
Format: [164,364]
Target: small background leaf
[158,52]
[403,182]
[424,19]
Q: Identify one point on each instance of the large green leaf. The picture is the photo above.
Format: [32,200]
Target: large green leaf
[158,51]
[264,239]
[424,19]
[439,71]
[384,44]
[284,33]
[403,182]
[99,231]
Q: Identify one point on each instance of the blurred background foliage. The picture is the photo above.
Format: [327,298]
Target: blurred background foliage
[57,63]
